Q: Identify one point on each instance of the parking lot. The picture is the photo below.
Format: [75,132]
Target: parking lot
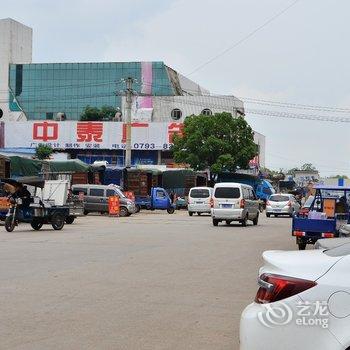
[149,281]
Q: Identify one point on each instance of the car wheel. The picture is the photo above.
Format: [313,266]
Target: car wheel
[36,224]
[123,212]
[57,221]
[137,208]
[275,215]
[70,219]
[268,215]
[228,222]
[302,246]
[199,214]
[86,212]
[190,213]
[9,224]
[245,221]
[215,222]
[256,220]
[171,210]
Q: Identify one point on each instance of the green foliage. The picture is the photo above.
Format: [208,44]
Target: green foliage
[307,167]
[43,152]
[339,177]
[219,143]
[94,113]
[107,112]
[304,167]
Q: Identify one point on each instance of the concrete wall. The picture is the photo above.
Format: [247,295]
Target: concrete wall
[15,47]
[163,105]
[260,140]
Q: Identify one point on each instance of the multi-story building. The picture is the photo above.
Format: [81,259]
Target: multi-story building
[43,103]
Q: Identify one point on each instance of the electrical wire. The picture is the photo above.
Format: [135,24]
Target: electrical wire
[245,38]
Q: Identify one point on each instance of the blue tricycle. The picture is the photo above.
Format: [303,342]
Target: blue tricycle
[328,212]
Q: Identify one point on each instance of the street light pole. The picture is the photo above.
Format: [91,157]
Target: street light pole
[128,94]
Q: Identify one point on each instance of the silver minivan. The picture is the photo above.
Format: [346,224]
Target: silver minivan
[96,198]
[234,202]
[199,200]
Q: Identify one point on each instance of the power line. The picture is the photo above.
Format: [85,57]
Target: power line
[291,105]
[246,37]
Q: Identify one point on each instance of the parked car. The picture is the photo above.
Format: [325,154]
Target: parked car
[282,204]
[199,200]
[303,302]
[181,203]
[96,198]
[234,202]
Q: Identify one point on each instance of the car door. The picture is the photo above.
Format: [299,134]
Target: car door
[160,199]
[97,200]
[247,200]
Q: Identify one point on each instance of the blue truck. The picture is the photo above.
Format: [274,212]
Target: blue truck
[262,187]
[158,199]
[328,212]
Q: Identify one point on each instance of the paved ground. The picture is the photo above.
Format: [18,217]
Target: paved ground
[151,281]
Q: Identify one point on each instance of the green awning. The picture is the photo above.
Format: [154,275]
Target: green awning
[68,166]
[24,167]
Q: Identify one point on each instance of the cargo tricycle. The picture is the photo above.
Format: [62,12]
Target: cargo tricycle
[33,210]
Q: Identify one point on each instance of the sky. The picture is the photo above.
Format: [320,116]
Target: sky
[301,57]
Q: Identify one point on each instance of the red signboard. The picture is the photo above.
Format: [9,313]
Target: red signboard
[113,205]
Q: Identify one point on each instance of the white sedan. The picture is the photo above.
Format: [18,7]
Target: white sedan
[303,302]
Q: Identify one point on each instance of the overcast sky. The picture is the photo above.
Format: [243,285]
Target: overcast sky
[301,57]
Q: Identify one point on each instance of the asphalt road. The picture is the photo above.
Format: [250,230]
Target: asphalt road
[150,281]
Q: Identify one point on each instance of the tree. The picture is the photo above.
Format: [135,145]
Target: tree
[95,114]
[307,167]
[43,152]
[218,143]
[107,112]
[339,177]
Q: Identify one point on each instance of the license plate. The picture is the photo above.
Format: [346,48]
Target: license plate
[199,202]
[226,205]
[278,210]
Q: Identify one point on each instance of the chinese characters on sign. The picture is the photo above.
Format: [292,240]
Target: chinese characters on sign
[90,135]
[90,131]
[45,131]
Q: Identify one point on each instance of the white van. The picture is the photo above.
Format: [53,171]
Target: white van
[199,200]
[234,202]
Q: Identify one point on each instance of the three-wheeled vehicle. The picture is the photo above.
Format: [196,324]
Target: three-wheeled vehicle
[328,213]
[38,212]
[159,199]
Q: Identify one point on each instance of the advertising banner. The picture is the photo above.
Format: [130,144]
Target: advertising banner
[90,135]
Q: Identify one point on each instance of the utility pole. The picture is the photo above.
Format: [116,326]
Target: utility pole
[128,93]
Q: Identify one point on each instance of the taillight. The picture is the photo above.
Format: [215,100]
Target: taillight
[289,204]
[276,287]
[211,202]
[242,204]
[268,203]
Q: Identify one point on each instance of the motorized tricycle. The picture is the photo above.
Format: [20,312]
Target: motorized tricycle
[159,199]
[38,213]
[327,217]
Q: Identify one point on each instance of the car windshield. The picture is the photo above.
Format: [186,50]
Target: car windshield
[199,193]
[227,192]
[119,192]
[279,198]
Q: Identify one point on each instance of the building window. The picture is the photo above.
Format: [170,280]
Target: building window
[176,114]
[207,111]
